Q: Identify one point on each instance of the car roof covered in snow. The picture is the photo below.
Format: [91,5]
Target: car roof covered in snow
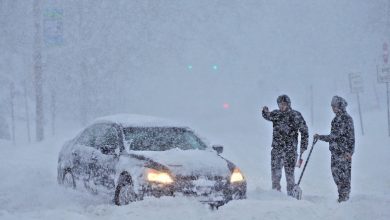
[134,120]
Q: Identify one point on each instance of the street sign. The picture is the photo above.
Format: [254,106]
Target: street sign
[356,82]
[53,27]
[383,73]
[356,86]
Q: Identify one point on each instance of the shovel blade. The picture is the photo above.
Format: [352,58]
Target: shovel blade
[297,192]
[299,163]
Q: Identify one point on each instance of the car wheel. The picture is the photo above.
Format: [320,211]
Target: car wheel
[124,192]
[239,195]
[68,179]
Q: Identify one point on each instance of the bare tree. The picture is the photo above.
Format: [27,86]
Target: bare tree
[27,115]
[12,102]
[38,72]
[53,111]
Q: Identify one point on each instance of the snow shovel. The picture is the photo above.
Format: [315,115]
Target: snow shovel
[297,191]
[300,161]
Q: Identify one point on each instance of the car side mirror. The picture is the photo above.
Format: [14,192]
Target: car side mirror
[218,148]
[128,145]
[107,149]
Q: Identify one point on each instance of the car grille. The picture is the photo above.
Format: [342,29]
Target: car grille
[201,185]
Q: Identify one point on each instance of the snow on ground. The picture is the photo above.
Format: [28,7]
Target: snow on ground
[29,189]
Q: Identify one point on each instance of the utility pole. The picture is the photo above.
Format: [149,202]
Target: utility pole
[312,104]
[53,111]
[388,72]
[360,113]
[27,112]
[383,70]
[83,99]
[383,74]
[388,107]
[12,98]
[356,86]
[38,78]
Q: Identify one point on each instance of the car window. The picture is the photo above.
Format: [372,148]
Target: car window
[87,137]
[107,140]
[161,139]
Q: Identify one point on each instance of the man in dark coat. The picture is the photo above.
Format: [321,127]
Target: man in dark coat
[341,145]
[286,125]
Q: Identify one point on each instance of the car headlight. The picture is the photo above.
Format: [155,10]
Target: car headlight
[236,176]
[153,175]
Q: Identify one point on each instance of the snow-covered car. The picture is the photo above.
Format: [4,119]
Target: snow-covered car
[129,157]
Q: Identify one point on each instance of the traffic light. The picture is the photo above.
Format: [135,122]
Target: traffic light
[226,105]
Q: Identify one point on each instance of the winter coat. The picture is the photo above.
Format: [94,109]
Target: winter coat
[285,129]
[342,136]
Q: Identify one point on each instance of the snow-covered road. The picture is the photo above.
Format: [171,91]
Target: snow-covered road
[29,189]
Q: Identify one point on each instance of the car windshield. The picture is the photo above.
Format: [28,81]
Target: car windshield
[161,139]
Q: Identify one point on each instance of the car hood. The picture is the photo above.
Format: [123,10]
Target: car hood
[189,162]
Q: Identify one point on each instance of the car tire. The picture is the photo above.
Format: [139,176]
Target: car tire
[68,179]
[124,192]
[239,195]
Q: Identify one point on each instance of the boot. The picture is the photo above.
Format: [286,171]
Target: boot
[343,198]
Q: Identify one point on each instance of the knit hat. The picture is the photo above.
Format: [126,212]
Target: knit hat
[339,102]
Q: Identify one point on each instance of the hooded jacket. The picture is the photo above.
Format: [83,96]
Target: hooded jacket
[342,135]
[286,126]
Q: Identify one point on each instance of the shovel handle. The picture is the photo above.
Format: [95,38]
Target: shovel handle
[307,160]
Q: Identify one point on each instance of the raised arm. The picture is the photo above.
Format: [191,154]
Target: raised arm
[333,133]
[267,115]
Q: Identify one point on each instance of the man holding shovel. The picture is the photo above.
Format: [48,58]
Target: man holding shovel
[286,125]
[341,145]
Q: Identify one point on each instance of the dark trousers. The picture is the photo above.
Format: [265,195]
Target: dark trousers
[280,159]
[341,172]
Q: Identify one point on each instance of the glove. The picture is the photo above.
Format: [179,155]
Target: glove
[265,109]
[348,156]
[299,161]
[316,137]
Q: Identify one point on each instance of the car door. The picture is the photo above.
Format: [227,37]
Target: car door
[81,154]
[105,157]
